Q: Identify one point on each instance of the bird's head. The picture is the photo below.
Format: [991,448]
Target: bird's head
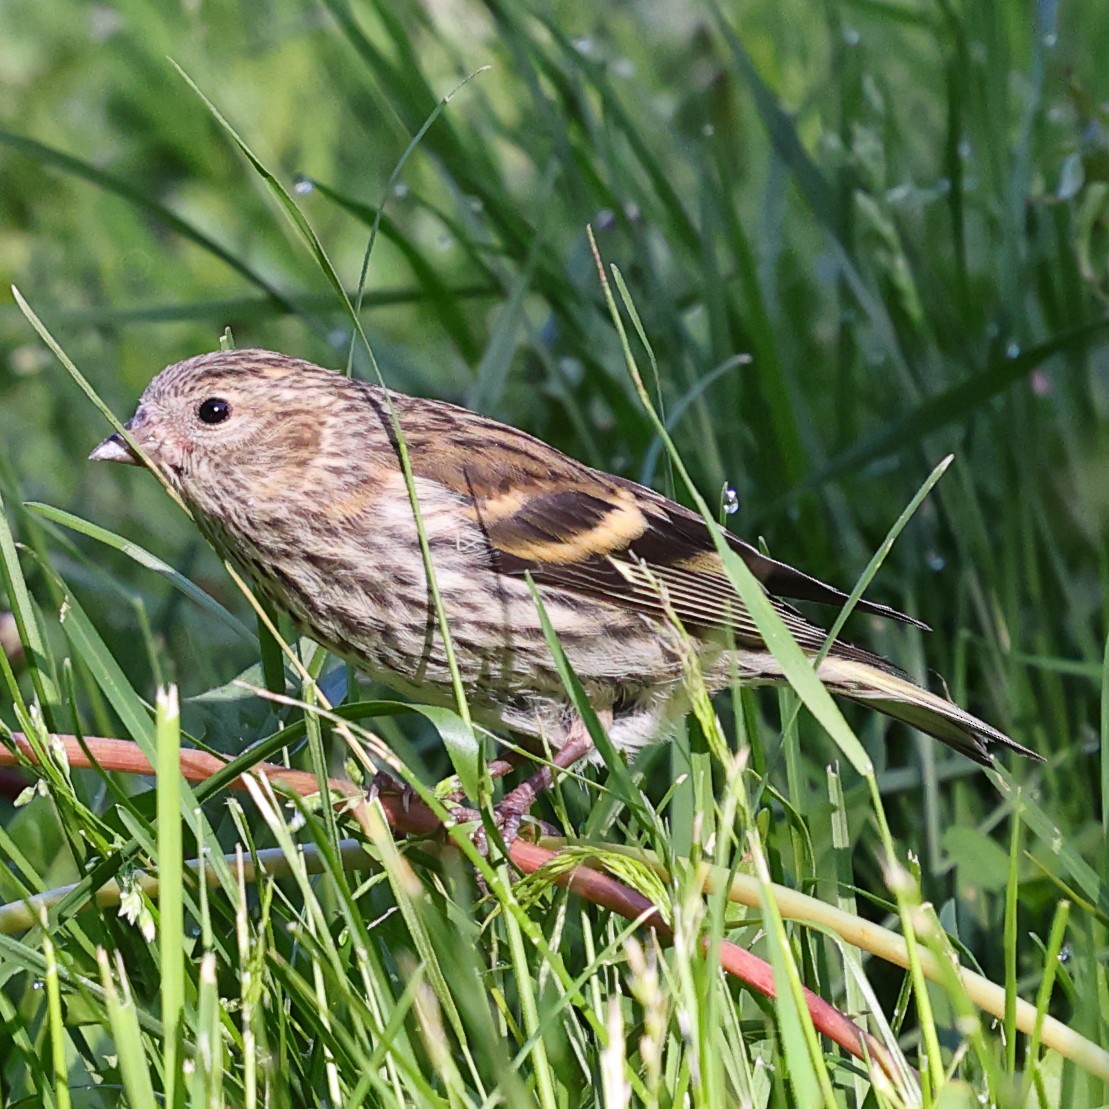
[240,423]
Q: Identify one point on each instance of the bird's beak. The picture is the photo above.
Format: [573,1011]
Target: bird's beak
[115,449]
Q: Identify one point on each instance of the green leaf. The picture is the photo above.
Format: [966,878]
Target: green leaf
[109,676]
[982,862]
[148,561]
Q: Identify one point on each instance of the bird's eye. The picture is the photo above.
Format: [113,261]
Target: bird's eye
[214,410]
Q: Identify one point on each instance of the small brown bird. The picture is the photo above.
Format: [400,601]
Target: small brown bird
[292,472]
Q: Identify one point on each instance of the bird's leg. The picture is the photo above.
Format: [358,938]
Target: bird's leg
[515,804]
[385,782]
[498,768]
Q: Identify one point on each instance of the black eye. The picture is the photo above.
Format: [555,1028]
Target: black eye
[214,410]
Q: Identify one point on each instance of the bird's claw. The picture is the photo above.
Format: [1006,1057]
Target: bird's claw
[384,782]
[508,819]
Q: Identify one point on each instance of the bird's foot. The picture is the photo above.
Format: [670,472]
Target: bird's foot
[510,820]
[384,782]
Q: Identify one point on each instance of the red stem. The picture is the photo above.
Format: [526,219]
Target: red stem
[415,818]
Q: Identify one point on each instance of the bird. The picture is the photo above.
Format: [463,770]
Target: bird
[294,473]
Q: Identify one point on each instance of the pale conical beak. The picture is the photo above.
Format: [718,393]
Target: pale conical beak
[115,449]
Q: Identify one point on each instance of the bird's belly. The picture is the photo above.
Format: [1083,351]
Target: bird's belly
[497,640]
[385,625]
[376,613]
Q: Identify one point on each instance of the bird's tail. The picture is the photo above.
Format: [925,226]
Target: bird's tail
[903,699]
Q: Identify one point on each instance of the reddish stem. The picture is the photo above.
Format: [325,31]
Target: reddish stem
[415,818]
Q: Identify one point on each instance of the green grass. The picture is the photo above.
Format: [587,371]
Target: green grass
[851,239]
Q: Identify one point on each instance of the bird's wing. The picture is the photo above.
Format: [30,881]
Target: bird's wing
[779,578]
[567,525]
[614,545]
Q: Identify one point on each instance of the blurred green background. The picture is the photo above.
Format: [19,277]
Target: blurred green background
[859,235]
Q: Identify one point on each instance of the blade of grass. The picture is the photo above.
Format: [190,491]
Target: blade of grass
[796,667]
[27,624]
[126,1033]
[148,561]
[171,917]
[953,404]
[57,159]
[55,1024]
[620,782]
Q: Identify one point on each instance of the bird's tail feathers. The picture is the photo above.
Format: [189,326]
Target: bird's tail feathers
[918,707]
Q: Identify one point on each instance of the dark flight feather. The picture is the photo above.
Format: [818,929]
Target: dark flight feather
[569,526]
